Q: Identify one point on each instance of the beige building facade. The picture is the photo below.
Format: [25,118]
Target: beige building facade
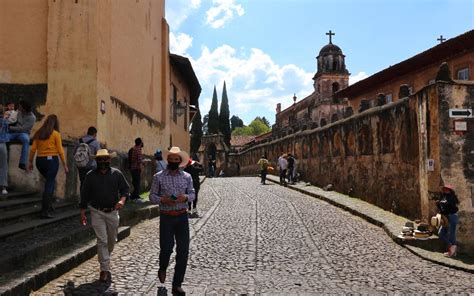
[97,63]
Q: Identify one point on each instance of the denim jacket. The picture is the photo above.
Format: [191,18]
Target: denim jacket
[4,131]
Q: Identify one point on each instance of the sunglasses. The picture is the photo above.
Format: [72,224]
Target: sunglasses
[102,159]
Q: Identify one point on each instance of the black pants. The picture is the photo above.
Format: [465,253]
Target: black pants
[136,177]
[290,175]
[195,201]
[263,175]
[282,176]
[174,228]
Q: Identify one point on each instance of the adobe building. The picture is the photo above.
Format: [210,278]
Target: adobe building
[415,72]
[319,108]
[96,63]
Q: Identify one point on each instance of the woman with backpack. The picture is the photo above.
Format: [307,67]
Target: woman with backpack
[447,206]
[47,144]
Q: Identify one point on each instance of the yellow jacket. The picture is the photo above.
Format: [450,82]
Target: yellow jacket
[50,147]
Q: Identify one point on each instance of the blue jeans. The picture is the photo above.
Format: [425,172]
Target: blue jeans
[174,228]
[24,138]
[448,235]
[48,168]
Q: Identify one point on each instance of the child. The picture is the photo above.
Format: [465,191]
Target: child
[11,114]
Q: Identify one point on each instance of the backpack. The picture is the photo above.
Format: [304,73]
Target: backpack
[83,153]
[130,153]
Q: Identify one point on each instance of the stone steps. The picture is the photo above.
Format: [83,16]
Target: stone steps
[11,204]
[31,210]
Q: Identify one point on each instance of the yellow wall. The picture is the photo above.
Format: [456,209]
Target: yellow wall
[23,49]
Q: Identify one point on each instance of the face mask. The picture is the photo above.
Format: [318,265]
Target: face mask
[173,166]
[103,165]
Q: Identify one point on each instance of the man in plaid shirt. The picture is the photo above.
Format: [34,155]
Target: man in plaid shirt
[172,189]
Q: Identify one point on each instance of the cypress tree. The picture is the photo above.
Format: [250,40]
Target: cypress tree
[224,122]
[213,124]
[196,132]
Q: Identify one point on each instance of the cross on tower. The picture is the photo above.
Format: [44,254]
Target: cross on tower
[330,34]
[441,39]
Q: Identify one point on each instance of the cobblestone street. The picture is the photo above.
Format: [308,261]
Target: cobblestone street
[255,239]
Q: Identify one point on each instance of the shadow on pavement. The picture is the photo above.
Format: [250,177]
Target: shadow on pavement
[94,288]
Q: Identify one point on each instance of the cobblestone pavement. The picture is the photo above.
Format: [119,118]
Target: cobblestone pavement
[255,239]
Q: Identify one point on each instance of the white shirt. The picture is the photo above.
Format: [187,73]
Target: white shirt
[282,163]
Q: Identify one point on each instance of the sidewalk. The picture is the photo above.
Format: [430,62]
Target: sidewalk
[428,249]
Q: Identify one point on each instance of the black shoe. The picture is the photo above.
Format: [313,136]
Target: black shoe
[22,166]
[178,291]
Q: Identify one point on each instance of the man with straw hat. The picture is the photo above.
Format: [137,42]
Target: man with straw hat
[105,191]
[172,189]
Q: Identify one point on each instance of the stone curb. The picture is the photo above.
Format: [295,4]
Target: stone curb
[416,247]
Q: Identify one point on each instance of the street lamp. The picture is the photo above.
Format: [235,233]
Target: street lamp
[179,108]
[294,98]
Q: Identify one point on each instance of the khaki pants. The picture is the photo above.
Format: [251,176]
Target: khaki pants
[106,229]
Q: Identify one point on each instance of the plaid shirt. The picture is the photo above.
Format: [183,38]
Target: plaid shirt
[137,158]
[164,184]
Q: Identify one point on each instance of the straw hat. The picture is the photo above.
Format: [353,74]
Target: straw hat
[176,150]
[103,153]
[439,220]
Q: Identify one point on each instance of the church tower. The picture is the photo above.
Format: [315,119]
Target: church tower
[332,74]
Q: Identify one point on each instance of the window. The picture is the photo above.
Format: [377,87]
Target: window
[463,74]
[174,102]
[335,87]
[388,98]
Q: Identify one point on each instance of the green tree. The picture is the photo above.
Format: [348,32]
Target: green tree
[224,123]
[213,123]
[236,122]
[255,128]
[196,132]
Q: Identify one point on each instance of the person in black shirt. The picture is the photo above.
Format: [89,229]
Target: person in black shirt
[194,168]
[447,206]
[105,191]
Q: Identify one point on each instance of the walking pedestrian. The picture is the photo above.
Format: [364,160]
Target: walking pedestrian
[263,163]
[84,152]
[47,144]
[194,168]
[21,130]
[447,206]
[104,191]
[282,167]
[173,189]
[136,167]
[211,167]
[291,167]
[4,155]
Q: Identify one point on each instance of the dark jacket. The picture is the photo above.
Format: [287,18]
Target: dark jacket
[103,190]
[194,171]
[447,205]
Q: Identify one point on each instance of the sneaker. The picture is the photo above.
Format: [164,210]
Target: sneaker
[4,191]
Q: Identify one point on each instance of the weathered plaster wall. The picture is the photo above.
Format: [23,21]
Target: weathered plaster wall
[375,153]
[456,155]
[23,56]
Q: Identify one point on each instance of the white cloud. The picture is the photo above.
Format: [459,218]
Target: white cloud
[177,11]
[180,43]
[358,77]
[255,83]
[222,12]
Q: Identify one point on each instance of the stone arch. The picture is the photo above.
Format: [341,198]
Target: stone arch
[365,140]
[335,87]
[334,117]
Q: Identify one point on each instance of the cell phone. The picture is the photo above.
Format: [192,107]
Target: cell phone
[173,197]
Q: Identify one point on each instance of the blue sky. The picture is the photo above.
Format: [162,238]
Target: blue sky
[265,50]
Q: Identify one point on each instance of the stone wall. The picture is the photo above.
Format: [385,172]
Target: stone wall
[373,154]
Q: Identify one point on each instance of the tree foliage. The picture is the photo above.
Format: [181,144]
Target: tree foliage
[205,124]
[264,120]
[224,123]
[255,128]
[213,123]
[236,122]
